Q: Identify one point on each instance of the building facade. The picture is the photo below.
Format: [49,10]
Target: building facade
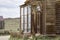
[12,24]
[40,16]
[1,22]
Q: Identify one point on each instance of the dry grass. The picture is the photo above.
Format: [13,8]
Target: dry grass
[37,38]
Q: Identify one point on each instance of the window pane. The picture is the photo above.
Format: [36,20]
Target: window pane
[22,26]
[25,31]
[25,26]
[29,27]
[29,9]
[21,19]
[29,18]
[21,11]
[25,11]
[25,19]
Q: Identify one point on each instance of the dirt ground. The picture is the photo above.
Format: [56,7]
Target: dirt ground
[4,37]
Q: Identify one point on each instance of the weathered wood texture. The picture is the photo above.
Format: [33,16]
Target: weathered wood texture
[46,19]
[50,16]
[58,17]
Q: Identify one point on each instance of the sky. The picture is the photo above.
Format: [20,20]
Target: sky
[10,8]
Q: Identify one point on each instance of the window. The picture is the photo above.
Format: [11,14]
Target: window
[26,19]
[21,11]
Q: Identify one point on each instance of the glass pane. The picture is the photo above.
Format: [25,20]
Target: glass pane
[29,27]
[29,9]
[25,19]
[21,19]
[22,26]
[25,26]
[21,11]
[25,31]
[29,18]
[25,11]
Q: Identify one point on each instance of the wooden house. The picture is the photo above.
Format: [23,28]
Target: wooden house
[40,16]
